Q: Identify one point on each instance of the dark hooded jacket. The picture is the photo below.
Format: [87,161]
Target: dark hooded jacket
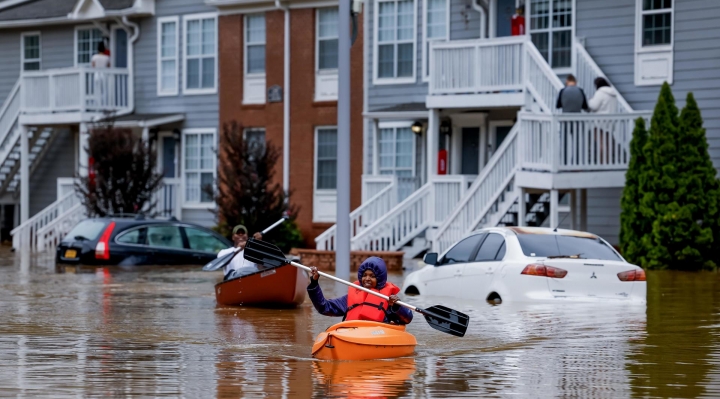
[338,306]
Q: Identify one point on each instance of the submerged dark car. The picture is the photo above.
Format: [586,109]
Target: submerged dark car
[139,241]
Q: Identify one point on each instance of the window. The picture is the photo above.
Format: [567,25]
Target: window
[490,248]
[396,147]
[164,236]
[436,28]
[199,165]
[203,241]
[326,159]
[327,38]
[395,41]
[654,42]
[30,51]
[167,73]
[200,54]
[543,245]
[86,40]
[254,50]
[255,44]
[255,139]
[656,22]
[136,237]
[88,229]
[551,30]
[462,251]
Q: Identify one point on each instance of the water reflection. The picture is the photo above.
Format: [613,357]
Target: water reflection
[158,332]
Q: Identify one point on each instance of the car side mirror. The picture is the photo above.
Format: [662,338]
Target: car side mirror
[431,258]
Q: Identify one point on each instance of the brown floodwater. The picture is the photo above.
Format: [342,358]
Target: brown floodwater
[157,332]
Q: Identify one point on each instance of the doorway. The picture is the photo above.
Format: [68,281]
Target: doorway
[119,48]
[505,12]
[499,130]
[470,154]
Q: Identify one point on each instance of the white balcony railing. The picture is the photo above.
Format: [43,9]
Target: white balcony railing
[586,72]
[167,199]
[80,89]
[576,142]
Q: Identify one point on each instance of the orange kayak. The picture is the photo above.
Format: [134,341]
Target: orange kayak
[363,340]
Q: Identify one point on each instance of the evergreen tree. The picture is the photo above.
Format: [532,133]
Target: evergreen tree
[246,192]
[688,227]
[632,223]
[660,177]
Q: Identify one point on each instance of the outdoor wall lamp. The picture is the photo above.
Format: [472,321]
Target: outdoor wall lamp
[176,134]
[416,127]
[445,127]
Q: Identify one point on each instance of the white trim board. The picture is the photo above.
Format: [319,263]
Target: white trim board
[653,64]
[199,91]
[376,80]
[174,19]
[183,141]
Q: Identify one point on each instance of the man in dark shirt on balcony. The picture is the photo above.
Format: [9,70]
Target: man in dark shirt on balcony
[571,98]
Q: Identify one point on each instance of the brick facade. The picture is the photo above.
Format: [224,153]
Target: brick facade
[305,113]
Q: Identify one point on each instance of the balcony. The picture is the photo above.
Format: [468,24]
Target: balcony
[73,95]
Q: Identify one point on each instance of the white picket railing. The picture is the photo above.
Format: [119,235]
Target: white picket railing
[586,72]
[476,66]
[76,89]
[167,199]
[542,82]
[373,184]
[482,195]
[8,122]
[367,213]
[577,142]
[31,234]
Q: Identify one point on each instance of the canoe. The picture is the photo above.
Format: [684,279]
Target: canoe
[363,340]
[283,286]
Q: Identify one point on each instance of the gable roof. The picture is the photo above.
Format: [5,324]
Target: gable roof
[30,12]
[38,9]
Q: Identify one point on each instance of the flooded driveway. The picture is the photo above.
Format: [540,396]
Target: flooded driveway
[157,332]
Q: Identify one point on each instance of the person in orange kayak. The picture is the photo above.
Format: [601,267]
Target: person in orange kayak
[359,305]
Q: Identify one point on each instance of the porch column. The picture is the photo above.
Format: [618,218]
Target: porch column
[583,209]
[432,142]
[521,208]
[554,209]
[573,209]
[24,174]
[83,156]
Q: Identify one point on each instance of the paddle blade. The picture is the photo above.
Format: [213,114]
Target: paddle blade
[264,253]
[219,262]
[447,320]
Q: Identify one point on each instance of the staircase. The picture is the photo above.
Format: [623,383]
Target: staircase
[537,142]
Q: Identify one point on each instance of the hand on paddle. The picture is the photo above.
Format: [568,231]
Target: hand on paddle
[314,273]
[392,299]
[258,236]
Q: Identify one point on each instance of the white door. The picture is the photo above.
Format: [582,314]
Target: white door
[445,278]
[478,273]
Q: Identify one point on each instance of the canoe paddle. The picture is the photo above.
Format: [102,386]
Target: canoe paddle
[220,262]
[439,317]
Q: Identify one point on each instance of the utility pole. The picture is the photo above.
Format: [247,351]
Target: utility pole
[342,243]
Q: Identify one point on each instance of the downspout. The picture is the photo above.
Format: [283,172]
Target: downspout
[483,17]
[286,98]
[131,63]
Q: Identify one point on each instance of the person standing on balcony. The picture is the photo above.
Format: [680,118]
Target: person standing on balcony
[605,100]
[572,98]
[102,61]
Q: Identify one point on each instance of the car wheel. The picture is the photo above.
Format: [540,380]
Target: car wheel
[412,290]
[494,298]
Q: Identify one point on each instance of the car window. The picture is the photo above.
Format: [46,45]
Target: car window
[542,245]
[490,248]
[136,236]
[501,253]
[462,251]
[164,236]
[203,241]
[88,229]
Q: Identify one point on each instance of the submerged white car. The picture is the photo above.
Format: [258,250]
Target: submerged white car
[528,264]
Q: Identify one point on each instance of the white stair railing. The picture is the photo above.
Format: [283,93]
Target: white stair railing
[495,177]
[33,234]
[8,122]
[586,72]
[367,213]
[541,81]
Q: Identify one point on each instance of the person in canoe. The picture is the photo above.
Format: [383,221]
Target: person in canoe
[359,305]
[239,266]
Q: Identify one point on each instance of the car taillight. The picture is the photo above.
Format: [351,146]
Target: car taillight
[102,249]
[632,275]
[535,269]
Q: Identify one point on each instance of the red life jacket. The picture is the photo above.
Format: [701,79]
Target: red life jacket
[363,306]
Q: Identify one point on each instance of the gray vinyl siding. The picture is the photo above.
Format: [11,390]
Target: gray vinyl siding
[609,31]
[59,161]
[203,217]
[201,111]
[603,207]
[464,21]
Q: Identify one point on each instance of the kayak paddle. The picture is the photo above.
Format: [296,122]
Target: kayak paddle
[220,262]
[439,317]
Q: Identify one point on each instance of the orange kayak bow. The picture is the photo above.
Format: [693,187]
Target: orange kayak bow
[363,340]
